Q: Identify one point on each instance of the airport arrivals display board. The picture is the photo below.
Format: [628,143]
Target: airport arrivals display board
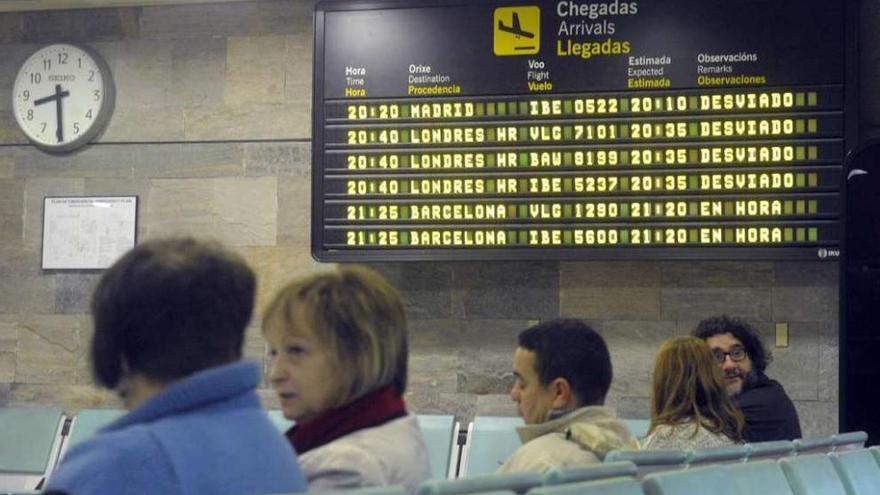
[577,129]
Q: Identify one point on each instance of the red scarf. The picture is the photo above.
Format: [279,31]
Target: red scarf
[370,410]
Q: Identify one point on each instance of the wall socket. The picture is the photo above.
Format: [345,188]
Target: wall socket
[782,334]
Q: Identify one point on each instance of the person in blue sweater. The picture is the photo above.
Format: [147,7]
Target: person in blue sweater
[170,318]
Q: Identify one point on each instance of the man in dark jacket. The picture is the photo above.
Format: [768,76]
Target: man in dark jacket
[769,413]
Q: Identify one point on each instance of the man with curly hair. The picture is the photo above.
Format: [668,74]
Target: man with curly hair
[738,349]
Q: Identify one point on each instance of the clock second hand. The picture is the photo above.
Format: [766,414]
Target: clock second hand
[59,130]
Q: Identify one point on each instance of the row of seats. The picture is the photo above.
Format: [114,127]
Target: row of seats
[855,472]
[32,441]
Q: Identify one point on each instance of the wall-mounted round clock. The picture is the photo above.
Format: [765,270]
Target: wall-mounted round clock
[63,97]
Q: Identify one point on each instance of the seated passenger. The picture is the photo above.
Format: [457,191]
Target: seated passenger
[563,372]
[338,348]
[739,352]
[690,408]
[170,318]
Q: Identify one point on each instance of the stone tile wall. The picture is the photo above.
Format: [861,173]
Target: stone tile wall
[212,132]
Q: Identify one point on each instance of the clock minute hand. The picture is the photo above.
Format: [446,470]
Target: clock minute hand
[59,129]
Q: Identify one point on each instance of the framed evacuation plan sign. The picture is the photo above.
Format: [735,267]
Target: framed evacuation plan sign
[574,129]
[87,232]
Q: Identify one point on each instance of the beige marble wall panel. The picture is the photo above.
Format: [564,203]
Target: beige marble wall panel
[424,288]
[7,163]
[276,266]
[71,398]
[290,159]
[611,303]
[79,25]
[632,345]
[48,349]
[198,72]
[829,362]
[804,303]
[630,407]
[603,274]
[83,359]
[73,291]
[11,210]
[145,124]
[23,287]
[34,193]
[698,303]
[202,21]
[294,211]
[9,131]
[817,418]
[255,69]
[89,162]
[717,274]
[432,372]
[462,406]
[248,122]
[298,61]
[796,367]
[8,347]
[143,73]
[245,211]
[180,207]
[805,274]
[183,160]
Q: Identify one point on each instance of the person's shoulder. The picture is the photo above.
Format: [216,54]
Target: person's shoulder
[546,452]
[131,457]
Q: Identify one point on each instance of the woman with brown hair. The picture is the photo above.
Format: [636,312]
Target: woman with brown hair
[690,407]
[338,348]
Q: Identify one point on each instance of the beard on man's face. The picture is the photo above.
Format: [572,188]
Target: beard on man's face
[746,380]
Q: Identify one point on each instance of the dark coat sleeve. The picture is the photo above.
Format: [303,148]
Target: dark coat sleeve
[769,413]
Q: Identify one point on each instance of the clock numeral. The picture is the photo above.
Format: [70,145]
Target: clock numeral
[42,128]
[91,75]
[47,64]
[30,115]
[89,114]
[97,94]
[76,127]
[36,77]
[62,58]
[79,63]
[26,95]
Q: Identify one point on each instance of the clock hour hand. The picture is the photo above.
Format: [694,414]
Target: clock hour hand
[59,130]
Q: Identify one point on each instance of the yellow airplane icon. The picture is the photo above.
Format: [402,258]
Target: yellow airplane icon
[517,30]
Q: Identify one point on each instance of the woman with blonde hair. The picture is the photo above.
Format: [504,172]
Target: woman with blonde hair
[690,407]
[338,348]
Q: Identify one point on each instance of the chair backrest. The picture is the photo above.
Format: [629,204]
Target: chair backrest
[515,482]
[490,441]
[649,461]
[701,480]
[441,437]
[759,478]
[610,486]
[876,451]
[858,470]
[373,490]
[561,476]
[718,455]
[853,440]
[85,424]
[637,427]
[29,443]
[812,475]
[770,450]
[814,445]
[277,417]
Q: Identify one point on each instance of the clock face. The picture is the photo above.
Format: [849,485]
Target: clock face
[63,97]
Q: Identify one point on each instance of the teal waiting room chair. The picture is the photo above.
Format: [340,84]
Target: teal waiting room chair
[858,470]
[440,433]
[85,424]
[650,461]
[490,441]
[708,480]
[853,440]
[30,440]
[514,482]
[758,478]
[562,476]
[812,475]
[610,486]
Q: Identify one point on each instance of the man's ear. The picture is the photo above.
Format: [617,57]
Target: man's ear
[563,395]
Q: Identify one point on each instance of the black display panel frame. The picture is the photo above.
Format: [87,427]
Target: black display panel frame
[323,147]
